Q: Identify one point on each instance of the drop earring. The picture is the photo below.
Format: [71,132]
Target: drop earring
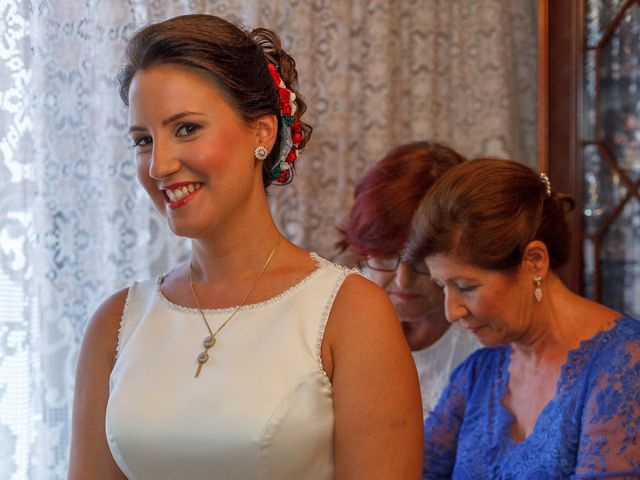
[537,292]
[261,152]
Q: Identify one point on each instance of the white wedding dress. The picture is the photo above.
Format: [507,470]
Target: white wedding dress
[262,406]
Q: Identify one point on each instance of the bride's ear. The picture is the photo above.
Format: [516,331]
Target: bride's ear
[267,130]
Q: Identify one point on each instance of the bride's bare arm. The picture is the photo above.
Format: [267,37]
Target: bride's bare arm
[90,454]
[378,411]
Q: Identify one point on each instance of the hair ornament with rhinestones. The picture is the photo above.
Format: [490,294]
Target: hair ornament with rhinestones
[547,183]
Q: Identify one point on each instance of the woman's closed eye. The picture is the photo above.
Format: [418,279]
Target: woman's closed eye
[466,288]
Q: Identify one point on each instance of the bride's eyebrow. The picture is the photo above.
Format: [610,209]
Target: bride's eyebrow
[166,121]
[178,116]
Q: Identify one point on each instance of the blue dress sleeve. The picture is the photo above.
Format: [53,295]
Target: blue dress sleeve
[609,445]
[442,426]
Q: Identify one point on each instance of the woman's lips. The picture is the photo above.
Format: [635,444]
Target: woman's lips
[473,329]
[183,201]
[404,296]
[179,194]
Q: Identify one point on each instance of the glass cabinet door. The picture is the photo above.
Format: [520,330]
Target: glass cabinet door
[610,145]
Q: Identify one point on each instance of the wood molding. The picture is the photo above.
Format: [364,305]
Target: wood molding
[543,85]
[561,28]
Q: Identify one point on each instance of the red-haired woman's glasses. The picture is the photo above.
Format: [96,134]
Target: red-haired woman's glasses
[391,264]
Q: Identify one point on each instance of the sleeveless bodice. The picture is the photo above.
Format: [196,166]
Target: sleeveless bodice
[262,406]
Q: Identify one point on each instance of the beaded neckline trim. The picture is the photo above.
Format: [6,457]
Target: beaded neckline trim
[320,265]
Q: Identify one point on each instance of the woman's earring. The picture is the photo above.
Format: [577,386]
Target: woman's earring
[537,292]
[261,152]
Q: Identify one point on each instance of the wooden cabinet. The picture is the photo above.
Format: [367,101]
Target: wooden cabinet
[589,138]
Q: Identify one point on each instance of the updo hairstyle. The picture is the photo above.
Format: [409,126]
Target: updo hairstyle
[486,211]
[234,58]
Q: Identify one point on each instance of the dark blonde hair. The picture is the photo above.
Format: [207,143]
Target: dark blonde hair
[486,211]
[234,58]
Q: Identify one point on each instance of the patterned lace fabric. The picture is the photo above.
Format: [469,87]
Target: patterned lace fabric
[590,429]
[74,223]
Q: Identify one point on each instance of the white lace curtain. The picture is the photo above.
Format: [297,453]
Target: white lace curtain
[74,225]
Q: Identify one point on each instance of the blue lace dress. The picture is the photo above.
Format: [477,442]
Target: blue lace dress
[590,429]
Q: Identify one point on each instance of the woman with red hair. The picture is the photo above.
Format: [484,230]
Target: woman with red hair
[375,233]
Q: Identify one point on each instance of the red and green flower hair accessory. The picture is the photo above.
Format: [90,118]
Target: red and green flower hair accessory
[290,133]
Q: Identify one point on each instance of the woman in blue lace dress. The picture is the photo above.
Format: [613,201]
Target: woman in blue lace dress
[556,393]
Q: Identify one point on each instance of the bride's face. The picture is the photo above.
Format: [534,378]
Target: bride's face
[194,153]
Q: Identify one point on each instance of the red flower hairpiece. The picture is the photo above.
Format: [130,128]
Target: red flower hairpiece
[290,133]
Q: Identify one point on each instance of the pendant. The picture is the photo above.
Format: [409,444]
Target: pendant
[203,357]
[538,294]
[209,342]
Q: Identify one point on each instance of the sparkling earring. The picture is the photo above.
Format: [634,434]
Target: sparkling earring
[261,152]
[537,280]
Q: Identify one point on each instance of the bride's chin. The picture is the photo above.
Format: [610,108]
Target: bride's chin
[184,231]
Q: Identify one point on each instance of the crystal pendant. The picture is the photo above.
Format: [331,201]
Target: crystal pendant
[209,342]
[203,358]
[538,294]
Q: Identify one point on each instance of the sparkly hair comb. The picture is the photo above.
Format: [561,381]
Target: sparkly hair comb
[290,133]
[547,183]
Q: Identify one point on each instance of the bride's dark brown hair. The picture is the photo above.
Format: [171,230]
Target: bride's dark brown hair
[235,59]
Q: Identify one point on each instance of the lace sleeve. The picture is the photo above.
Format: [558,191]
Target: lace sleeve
[609,444]
[443,424]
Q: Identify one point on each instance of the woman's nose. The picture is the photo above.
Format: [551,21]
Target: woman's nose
[163,162]
[454,308]
[403,276]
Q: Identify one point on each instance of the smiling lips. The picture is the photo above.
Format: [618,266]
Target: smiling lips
[179,194]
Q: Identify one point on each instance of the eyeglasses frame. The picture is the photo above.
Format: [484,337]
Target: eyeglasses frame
[399,260]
